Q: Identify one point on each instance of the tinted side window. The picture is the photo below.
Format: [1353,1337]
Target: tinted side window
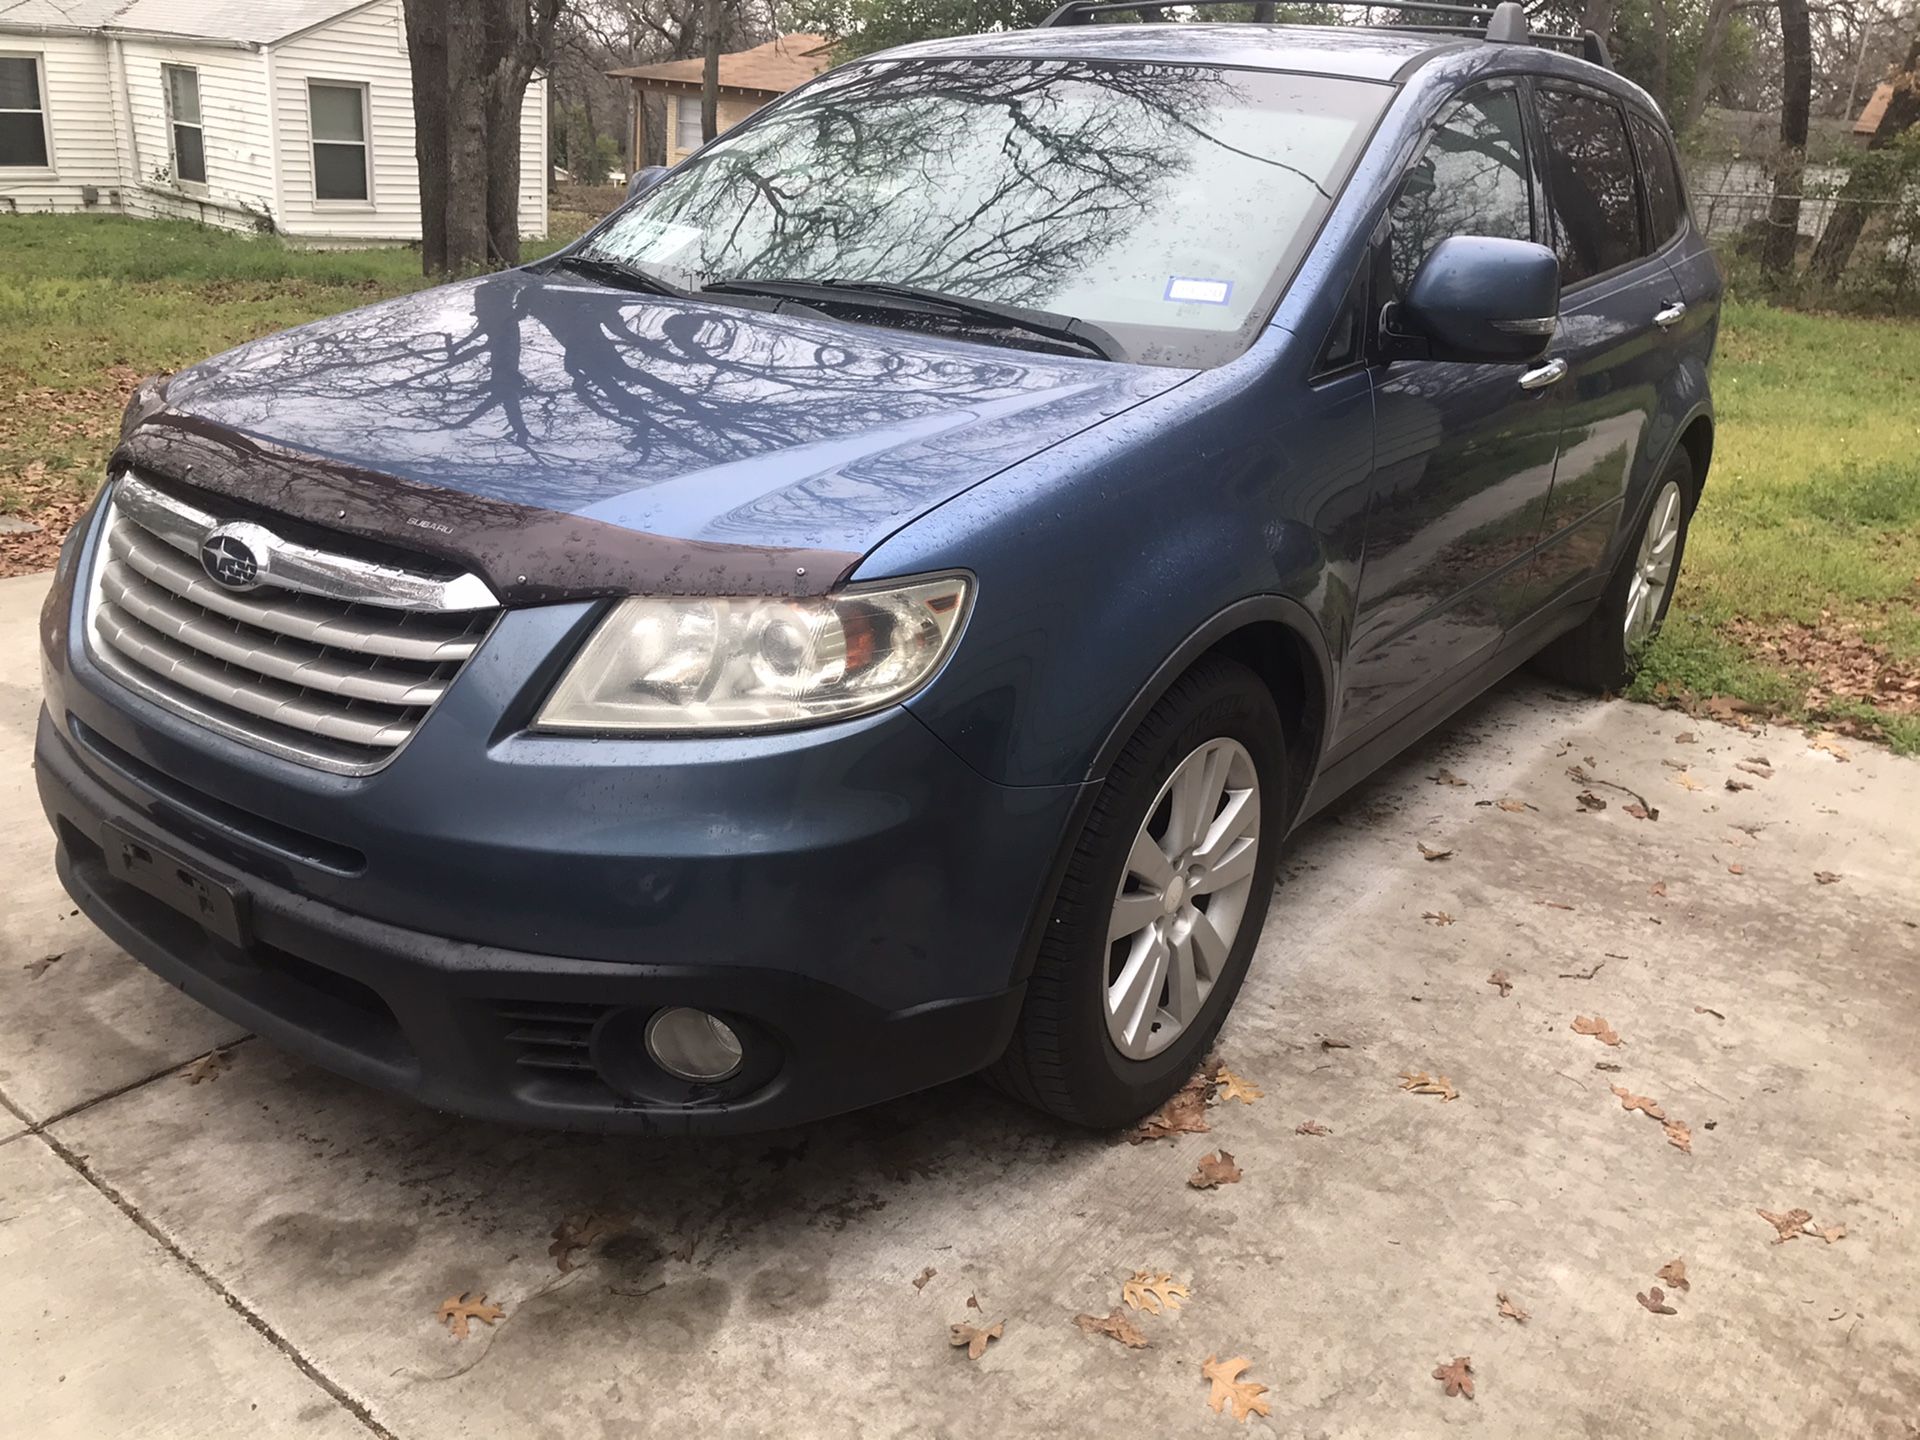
[1665,207]
[1472,180]
[1596,202]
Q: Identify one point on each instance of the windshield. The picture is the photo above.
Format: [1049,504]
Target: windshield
[1168,204]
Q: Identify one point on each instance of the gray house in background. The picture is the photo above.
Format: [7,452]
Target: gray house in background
[293,115]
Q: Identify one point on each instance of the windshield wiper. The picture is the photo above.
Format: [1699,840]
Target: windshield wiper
[914,299]
[627,277]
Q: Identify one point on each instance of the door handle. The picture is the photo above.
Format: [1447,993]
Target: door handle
[1542,376]
[1668,318]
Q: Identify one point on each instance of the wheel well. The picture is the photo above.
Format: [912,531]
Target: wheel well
[1697,441]
[1281,658]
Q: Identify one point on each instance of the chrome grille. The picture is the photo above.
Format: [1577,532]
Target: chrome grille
[332,659]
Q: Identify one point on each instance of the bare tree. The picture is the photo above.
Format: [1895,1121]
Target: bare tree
[710,74]
[1796,101]
[472,62]
[1849,217]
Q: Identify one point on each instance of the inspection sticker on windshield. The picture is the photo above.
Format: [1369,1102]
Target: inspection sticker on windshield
[1185,290]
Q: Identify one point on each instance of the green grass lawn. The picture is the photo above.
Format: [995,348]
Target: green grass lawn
[1801,591]
[1801,585]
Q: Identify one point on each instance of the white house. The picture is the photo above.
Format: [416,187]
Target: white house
[291,114]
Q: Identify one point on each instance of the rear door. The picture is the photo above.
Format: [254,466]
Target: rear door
[1614,292]
[1464,452]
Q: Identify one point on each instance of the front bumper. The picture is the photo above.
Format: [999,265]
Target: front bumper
[855,899]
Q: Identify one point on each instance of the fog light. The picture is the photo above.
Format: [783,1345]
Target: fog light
[693,1045]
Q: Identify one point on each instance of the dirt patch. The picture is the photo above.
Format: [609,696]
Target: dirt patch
[1840,663]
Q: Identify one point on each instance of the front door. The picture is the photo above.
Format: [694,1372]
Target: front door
[1464,452]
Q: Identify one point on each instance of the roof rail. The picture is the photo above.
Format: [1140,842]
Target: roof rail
[1502,23]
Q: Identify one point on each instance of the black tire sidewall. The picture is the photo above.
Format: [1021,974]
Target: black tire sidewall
[1226,700]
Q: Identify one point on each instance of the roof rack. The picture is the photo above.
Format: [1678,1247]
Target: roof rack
[1504,23]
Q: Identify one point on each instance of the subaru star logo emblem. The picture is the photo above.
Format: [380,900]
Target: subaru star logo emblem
[229,561]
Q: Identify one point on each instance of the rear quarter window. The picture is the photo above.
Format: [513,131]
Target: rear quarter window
[1666,203]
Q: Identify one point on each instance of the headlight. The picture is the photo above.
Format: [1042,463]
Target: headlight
[750,663]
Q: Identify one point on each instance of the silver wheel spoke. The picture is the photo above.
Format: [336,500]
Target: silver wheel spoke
[1183,989]
[1234,864]
[1148,861]
[1210,948]
[1659,548]
[1241,817]
[1137,994]
[1196,796]
[1133,913]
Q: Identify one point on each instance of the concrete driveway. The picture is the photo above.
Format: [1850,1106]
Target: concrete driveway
[263,1251]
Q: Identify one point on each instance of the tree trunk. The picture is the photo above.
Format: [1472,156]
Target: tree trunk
[503,172]
[427,58]
[1849,217]
[467,174]
[710,74]
[1719,17]
[1663,46]
[1796,102]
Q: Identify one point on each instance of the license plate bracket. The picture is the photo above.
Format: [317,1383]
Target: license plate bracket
[217,907]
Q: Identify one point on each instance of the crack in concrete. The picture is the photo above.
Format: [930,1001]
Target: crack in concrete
[260,1324]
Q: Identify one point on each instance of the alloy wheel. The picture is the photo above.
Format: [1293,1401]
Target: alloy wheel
[1653,567]
[1182,898]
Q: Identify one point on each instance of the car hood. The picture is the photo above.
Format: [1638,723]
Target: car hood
[538,396]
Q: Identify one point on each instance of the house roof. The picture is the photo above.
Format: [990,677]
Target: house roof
[231,22]
[773,68]
[1875,109]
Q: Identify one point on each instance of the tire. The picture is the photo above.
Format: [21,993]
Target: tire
[1066,1055]
[1602,655]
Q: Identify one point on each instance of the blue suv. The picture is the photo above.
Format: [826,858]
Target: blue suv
[873,610]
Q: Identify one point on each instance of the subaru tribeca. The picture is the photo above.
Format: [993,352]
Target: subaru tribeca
[873,609]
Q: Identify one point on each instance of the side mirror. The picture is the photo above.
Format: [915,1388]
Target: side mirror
[645,178]
[1478,298]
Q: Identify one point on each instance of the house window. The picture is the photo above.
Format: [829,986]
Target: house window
[183,120]
[339,118]
[687,134]
[23,115]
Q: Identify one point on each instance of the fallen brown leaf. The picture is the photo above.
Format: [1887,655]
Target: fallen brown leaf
[1830,1233]
[1326,1044]
[1429,853]
[209,1066]
[1789,1225]
[1436,917]
[1604,1065]
[1658,889]
[1637,811]
[1456,1378]
[1674,1272]
[1832,747]
[1708,1010]
[1688,782]
[973,1302]
[1234,1087]
[1685,737]
[1311,1127]
[1736,869]
[1509,1310]
[1678,1135]
[1424,1084]
[1596,1027]
[920,1280]
[1630,1101]
[1446,777]
[1587,800]
[1214,1170]
[1229,1388]
[1515,807]
[1185,1113]
[36,968]
[1826,877]
[1115,1326]
[1755,767]
[1555,904]
[457,1310]
[1153,1292]
[974,1337]
[1655,1299]
[1498,979]
[1738,785]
